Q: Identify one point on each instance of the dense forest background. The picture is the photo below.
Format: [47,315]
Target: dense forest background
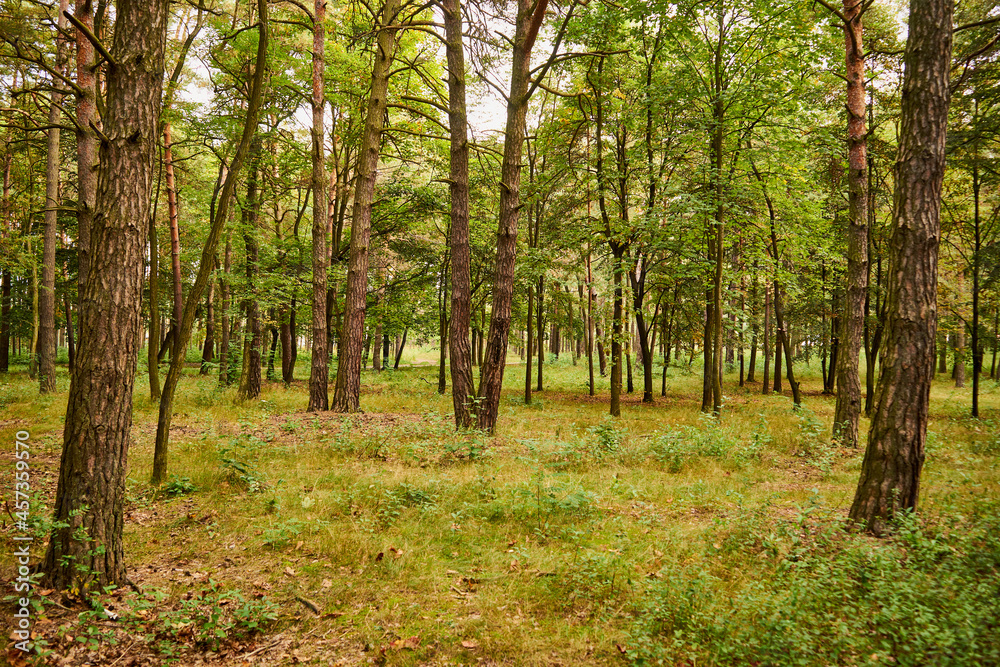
[452,235]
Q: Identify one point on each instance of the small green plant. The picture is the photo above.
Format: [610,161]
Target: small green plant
[179,486]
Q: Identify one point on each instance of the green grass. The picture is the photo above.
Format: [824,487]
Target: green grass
[664,537]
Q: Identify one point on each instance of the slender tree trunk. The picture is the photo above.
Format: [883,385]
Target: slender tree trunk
[47,295]
[766,386]
[616,336]
[250,379]
[540,328]
[890,472]
[152,347]
[463,389]
[208,351]
[86,138]
[319,371]
[224,378]
[175,241]
[848,408]
[531,343]
[977,353]
[958,373]
[287,335]
[399,350]
[69,331]
[529,19]
[5,281]
[90,495]
[347,394]
[207,263]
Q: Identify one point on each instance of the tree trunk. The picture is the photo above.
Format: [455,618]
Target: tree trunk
[5,281]
[153,345]
[86,138]
[208,351]
[175,242]
[319,370]
[399,350]
[221,215]
[529,19]
[47,294]
[224,378]
[616,336]
[347,394]
[848,408]
[531,343]
[766,386]
[91,491]
[250,379]
[977,353]
[958,373]
[540,329]
[463,390]
[287,335]
[890,472]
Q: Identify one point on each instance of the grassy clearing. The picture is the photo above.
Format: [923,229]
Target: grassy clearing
[662,538]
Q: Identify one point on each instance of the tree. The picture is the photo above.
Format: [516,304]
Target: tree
[319,371]
[462,387]
[848,408]
[346,397]
[85,550]
[890,472]
[47,294]
[528,22]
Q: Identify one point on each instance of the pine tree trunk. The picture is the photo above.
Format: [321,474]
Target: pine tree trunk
[175,242]
[319,370]
[616,336]
[463,390]
[86,138]
[529,19]
[540,330]
[91,491]
[958,372]
[890,472]
[347,394]
[848,409]
[47,294]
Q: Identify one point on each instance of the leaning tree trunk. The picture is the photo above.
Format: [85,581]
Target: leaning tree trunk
[224,287]
[319,371]
[848,409]
[85,550]
[463,390]
[208,254]
[175,241]
[529,20]
[890,473]
[347,394]
[47,295]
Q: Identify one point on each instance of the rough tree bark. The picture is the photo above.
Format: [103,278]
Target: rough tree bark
[890,472]
[529,20]
[47,293]
[463,390]
[848,408]
[85,551]
[347,394]
[319,371]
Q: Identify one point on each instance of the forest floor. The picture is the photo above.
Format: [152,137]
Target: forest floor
[664,537]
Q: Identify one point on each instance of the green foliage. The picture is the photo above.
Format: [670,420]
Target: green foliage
[927,595]
[179,486]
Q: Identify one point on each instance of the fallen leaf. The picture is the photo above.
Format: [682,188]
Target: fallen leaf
[290,572]
[397,553]
[326,583]
[470,643]
[621,649]
[379,557]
